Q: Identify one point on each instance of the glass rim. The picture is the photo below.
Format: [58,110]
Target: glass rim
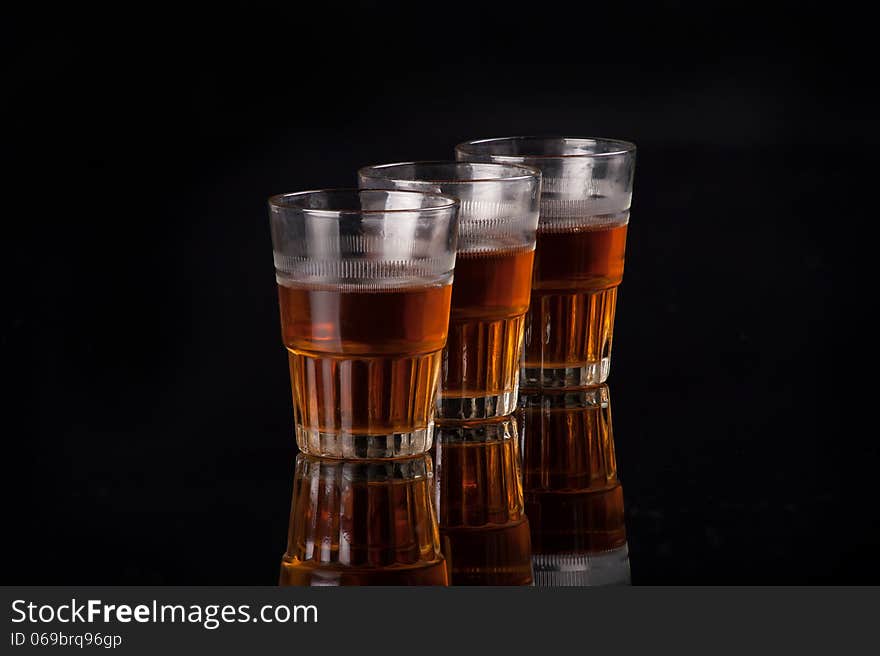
[620,147]
[525,172]
[281,202]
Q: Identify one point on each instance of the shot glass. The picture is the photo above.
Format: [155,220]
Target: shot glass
[585,203]
[490,296]
[364,285]
[363,522]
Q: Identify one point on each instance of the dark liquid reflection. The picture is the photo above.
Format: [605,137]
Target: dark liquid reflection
[363,523]
[483,529]
[573,497]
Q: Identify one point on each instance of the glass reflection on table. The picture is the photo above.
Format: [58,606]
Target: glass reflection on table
[363,522]
[573,497]
[483,527]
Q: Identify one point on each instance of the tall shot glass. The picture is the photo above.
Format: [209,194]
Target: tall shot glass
[585,203]
[490,295]
[364,285]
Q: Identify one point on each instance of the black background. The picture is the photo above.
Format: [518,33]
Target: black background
[148,424]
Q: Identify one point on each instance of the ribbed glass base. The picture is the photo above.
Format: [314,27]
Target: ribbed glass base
[485,407]
[350,445]
[593,373]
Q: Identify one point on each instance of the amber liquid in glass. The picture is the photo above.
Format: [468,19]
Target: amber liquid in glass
[489,302]
[574,499]
[363,362]
[483,529]
[574,293]
[363,529]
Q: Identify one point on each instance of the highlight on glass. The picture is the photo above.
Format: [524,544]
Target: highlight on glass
[585,206]
[493,273]
[364,286]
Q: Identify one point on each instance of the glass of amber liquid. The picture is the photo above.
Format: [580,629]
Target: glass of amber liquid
[363,522]
[585,203]
[364,284]
[499,215]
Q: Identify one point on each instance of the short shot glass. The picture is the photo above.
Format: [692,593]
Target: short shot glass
[493,273]
[364,287]
[585,203]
